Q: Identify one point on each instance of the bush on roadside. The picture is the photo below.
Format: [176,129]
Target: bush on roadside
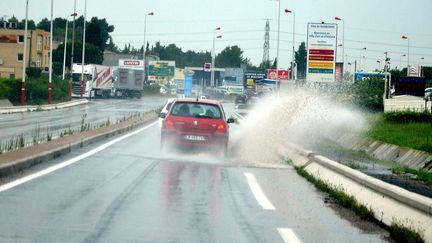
[33,72]
[408,116]
[366,94]
[4,90]
[36,90]
[151,88]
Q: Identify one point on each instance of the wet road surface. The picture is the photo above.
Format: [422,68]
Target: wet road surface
[53,122]
[125,191]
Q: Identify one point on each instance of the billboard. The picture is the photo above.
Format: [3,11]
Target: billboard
[410,86]
[252,77]
[131,64]
[282,74]
[161,71]
[321,52]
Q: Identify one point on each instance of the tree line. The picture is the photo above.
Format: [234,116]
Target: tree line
[99,39]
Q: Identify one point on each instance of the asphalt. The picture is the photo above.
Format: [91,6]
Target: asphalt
[38,124]
[127,191]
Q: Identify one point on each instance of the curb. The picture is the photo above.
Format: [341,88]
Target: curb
[29,108]
[408,198]
[15,166]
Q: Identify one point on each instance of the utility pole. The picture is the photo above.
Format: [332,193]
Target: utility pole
[266,47]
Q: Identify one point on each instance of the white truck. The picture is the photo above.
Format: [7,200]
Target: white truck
[124,81]
[97,81]
[127,83]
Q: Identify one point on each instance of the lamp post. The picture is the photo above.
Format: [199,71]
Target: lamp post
[400,60]
[408,53]
[24,56]
[361,57]
[72,51]
[65,45]
[293,43]
[212,81]
[83,52]
[379,65]
[420,61]
[343,38]
[278,35]
[51,48]
[144,45]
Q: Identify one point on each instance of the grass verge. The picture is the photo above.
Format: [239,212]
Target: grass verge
[397,232]
[416,135]
[421,175]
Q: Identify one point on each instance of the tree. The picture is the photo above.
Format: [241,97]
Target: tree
[111,46]
[274,65]
[97,32]
[300,58]
[93,55]
[231,56]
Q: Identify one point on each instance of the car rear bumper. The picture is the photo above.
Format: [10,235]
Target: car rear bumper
[198,139]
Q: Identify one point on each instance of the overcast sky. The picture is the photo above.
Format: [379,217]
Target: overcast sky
[375,24]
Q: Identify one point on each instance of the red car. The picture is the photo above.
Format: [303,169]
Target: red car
[196,123]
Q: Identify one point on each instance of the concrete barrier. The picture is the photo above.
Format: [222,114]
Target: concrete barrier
[19,109]
[390,203]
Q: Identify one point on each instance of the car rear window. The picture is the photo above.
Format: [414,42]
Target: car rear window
[198,110]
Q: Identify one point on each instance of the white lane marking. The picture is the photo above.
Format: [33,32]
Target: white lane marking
[258,193]
[61,165]
[288,235]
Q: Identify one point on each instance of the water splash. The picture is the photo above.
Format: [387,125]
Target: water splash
[301,117]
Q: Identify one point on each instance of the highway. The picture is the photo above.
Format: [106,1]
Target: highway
[54,122]
[125,190]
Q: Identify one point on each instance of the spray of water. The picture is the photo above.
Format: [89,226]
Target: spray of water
[301,117]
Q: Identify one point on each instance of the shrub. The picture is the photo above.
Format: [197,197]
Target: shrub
[408,116]
[33,72]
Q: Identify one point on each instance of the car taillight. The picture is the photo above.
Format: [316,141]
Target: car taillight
[221,128]
[169,124]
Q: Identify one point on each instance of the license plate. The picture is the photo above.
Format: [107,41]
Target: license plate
[194,138]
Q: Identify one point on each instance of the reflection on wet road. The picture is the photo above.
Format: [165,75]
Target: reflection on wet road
[129,192]
[53,122]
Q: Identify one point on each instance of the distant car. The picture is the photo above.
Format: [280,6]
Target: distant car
[241,99]
[203,97]
[165,110]
[196,123]
[428,93]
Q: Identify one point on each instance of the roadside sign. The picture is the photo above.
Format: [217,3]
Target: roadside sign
[131,63]
[207,67]
[252,77]
[282,74]
[321,52]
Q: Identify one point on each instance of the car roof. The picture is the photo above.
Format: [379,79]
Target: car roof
[202,101]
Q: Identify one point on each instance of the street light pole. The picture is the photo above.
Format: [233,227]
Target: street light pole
[51,48]
[343,38]
[72,51]
[408,53]
[293,44]
[144,45]
[65,46]
[83,51]
[278,34]
[212,81]
[24,56]
[361,57]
